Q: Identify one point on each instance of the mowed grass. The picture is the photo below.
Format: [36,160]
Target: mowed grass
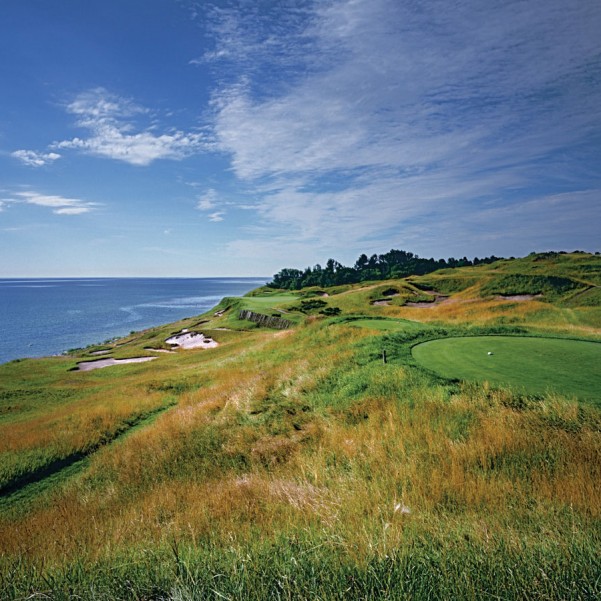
[271,300]
[532,365]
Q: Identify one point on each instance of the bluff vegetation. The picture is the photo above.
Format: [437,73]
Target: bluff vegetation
[393,264]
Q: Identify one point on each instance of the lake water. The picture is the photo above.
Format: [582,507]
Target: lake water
[40,317]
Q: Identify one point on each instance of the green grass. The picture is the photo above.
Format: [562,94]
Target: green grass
[548,286]
[269,301]
[298,465]
[533,365]
[387,325]
[588,298]
[445,281]
[297,568]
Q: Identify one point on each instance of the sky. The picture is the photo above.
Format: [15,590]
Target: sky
[231,138]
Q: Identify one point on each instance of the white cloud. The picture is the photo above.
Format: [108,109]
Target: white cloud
[99,104]
[35,159]
[217,216]
[137,149]
[207,201]
[72,210]
[59,204]
[110,120]
[399,95]
[396,115]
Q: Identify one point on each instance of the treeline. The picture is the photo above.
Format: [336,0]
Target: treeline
[393,264]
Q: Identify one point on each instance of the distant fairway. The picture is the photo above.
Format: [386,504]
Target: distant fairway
[271,299]
[532,365]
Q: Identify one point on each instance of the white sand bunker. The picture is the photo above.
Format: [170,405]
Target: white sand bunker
[100,363]
[188,340]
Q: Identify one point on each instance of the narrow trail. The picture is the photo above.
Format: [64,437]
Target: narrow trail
[54,468]
[582,292]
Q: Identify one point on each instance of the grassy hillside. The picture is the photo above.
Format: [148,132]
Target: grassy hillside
[297,463]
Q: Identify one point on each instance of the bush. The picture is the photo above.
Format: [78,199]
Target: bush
[330,311]
[529,284]
[307,306]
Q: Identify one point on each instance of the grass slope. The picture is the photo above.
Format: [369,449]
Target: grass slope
[386,325]
[295,464]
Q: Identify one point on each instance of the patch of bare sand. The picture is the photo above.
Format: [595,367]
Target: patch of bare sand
[190,340]
[100,363]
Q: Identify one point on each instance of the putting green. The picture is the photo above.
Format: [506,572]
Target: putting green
[532,365]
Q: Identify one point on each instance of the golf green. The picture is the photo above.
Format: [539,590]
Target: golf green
[531,365]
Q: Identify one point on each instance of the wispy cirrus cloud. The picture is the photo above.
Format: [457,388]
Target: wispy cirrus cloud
[115,133]
[387,115]
[208,201]
[31,158]
[216,216]
[58,204]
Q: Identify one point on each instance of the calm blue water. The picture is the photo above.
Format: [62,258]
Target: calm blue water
[40,317]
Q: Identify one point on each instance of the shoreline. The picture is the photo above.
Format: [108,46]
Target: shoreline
[183,339]
[71,315]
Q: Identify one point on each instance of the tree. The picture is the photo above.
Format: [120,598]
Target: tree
[393,264]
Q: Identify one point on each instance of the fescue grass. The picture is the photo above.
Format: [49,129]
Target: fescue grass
[297,465]
[386,325]
[550,286]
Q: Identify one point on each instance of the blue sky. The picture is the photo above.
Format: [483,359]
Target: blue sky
[182,138]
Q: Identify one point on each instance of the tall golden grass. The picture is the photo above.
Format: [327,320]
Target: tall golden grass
[258,452]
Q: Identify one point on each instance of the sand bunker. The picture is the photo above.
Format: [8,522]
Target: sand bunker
[188,340]
[100,363]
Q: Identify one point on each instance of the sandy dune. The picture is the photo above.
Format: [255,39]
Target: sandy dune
[100,363]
